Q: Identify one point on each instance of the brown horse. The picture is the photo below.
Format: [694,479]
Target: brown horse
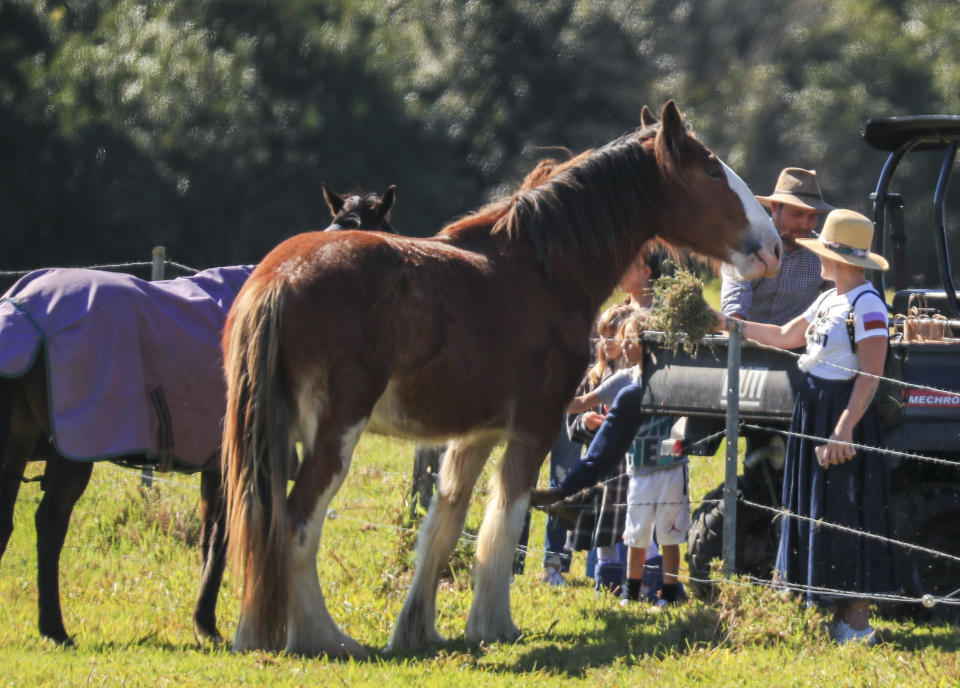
[477,335]
[25,425]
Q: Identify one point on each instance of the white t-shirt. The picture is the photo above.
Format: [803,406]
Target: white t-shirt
[827,338]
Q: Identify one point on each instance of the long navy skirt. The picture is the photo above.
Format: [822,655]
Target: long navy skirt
[855,494]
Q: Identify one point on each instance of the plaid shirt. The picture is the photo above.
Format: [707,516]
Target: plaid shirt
[776,300]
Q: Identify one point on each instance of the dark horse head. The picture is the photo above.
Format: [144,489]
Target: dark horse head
[360,211]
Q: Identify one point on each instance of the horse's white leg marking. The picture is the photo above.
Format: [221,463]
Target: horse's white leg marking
[461,465]
[310,628]
[490,618]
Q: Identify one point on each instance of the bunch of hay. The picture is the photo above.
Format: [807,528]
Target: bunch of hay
[679,309]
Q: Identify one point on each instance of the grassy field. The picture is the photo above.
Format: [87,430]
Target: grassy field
[130,570]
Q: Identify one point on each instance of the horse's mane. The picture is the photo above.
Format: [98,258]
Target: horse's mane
[560,205]
[489,214]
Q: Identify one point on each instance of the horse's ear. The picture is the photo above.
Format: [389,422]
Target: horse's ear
[334,202]
[387,199]
[672,129]
[647,117]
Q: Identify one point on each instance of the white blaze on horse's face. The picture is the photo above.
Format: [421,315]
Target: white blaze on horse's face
[760,255]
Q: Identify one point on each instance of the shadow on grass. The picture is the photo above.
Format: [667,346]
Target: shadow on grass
[920,636]
[151,641]
[618,636]
[621,637]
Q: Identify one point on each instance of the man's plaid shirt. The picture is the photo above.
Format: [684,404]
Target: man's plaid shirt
[776,300]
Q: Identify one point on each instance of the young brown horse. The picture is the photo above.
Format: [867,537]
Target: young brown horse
[337,334]
[25,425]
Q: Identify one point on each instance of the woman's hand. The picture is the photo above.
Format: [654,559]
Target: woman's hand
[832,453]
[593,420]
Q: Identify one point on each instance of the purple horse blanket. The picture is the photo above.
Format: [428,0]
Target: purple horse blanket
[133,367]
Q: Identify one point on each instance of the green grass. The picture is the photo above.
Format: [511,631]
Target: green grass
[130,569]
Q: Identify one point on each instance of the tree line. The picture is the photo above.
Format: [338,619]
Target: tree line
[208,126]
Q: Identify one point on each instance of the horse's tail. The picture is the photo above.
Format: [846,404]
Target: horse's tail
[255,454]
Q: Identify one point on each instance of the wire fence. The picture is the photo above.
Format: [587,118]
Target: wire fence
[927,600]
[107,266]
[469,539]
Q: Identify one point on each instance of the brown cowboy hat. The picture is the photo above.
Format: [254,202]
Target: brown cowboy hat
[846,237]
[796,186]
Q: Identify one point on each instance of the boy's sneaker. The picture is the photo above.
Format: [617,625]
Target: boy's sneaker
[679,597]
[552,576]
[842,633]
[625,597]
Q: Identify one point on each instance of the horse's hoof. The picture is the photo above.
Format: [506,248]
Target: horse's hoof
[413,642]
[510,636]
[506,634]
[62,640]
[207,635]
[350,648]
[344,648]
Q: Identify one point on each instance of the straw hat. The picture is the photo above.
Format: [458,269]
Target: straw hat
[846,237]
[796,186]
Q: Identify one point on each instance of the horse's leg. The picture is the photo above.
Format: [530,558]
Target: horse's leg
[310,628]
[63,483]
[18,436]
[459,469]
[213,546]
[503,519]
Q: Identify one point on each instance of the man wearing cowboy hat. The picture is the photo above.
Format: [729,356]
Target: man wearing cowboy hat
[795,206]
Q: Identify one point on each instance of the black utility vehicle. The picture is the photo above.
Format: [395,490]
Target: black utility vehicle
[926,494]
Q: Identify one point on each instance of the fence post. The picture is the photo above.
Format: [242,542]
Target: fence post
[733,426]
[156,273]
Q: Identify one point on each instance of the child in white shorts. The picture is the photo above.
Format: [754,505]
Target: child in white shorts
[658,501]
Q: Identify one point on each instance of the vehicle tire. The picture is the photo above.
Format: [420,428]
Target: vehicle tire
[757,535]
[928,514]
[705,542]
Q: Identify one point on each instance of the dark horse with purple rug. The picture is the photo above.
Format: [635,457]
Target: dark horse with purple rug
[476,335]
[103,366]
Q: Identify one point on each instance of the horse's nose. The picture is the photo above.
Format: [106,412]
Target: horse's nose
[778,252]
[770,260]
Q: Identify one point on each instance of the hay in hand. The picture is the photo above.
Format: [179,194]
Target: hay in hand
[678,309]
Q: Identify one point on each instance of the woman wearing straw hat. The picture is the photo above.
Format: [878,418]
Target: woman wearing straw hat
[831,480]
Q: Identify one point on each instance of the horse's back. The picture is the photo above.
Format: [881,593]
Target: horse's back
[419,323]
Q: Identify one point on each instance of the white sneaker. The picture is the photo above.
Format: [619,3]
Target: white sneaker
[552,576]
[842,633]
